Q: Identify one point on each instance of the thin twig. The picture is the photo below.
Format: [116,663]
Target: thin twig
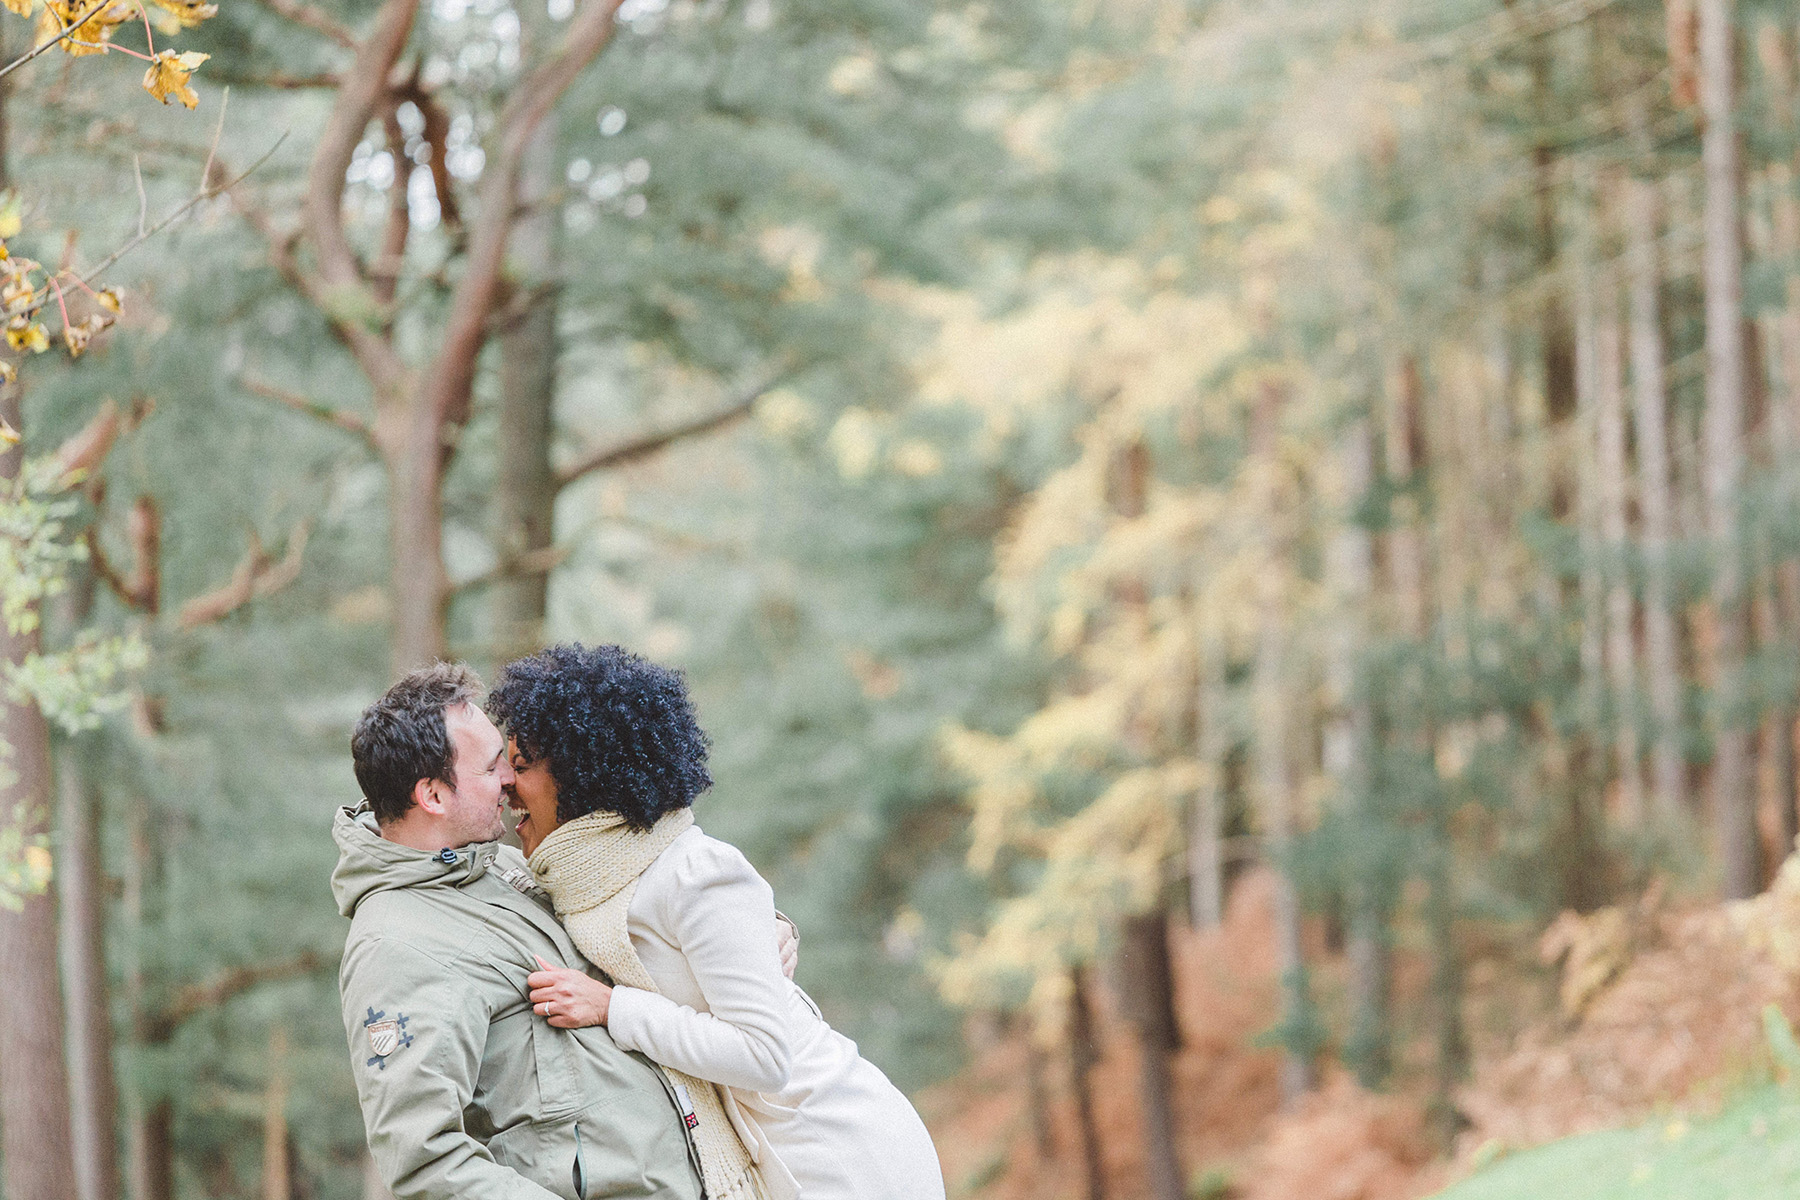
[146,234]
[218,132]
[648,444]
[137,168]
[149,41]
[313,19]
[183,210]
[20,61]
[347,421]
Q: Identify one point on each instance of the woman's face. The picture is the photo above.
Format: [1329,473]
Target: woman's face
[532,798]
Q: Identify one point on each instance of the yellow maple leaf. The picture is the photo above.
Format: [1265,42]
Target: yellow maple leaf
[169,74]
[92,34]
[187,13]
[22,333]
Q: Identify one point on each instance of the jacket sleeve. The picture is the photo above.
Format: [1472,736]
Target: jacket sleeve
[414,1095]
[721,914]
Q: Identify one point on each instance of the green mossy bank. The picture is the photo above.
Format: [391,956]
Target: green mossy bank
[1751,1151]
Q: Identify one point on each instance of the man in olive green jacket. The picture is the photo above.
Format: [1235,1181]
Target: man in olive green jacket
[467,1092]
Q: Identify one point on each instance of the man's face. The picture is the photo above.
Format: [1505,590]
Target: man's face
[475,809]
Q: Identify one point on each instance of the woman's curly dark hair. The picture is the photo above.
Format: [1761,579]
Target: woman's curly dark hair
[616,731]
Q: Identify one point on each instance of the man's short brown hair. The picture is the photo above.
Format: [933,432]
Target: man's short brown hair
[400,739]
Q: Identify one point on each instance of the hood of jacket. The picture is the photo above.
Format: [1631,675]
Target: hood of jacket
[368,863]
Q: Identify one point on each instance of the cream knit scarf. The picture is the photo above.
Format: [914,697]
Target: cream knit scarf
[591,867]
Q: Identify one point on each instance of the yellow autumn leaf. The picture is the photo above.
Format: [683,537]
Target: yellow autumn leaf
[169,74]
[17,293]
[77,337]
[93,33]
[22,333]
[187,13]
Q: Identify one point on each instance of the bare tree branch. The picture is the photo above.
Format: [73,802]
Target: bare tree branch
[305,14]
[142,590]
[68,30]
[87,449]
[196,998]
[643,447]
[347,421]
[205,193]
[446,390]
[541,561]
[340,276]
[437,135]
[277,80]
[255,576]
[384,269]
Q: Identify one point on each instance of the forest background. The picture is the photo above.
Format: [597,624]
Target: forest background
[1085,457]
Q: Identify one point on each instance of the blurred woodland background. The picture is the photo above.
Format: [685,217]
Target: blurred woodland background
[1241,557]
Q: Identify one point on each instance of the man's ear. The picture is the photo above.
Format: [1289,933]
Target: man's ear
[426,794]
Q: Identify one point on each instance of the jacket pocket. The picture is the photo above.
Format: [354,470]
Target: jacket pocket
[552,1153]
[615,1151]
[557,1090]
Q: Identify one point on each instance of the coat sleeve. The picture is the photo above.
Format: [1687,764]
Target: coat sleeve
[413,1097]
[721,915]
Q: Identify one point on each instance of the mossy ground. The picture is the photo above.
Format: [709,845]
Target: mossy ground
[1749,1151]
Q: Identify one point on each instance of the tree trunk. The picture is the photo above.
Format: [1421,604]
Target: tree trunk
[35,1139]
[277,1173]
[1043,1143]
[416,521]
[1149,1004]
[1733,798]
[1555,335]
[1271,750]
[1405,454]
[1656,509]
[1451,1060]
[1349,739]
[1776,51]
[1206,823]
[150,1117]
[1621,651]
[1084,1053]
[526,493]
[93,1091]
[1777,733]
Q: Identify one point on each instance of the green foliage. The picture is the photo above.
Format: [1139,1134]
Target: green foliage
[35,551]
[25,861]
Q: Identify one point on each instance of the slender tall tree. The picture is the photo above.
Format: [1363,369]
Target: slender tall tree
[1733,797]
[1649,412]
[1270,740]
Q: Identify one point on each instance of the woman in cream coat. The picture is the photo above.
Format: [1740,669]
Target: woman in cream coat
[609,758]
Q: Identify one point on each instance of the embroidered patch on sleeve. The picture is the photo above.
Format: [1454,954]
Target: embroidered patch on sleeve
[387,1035]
